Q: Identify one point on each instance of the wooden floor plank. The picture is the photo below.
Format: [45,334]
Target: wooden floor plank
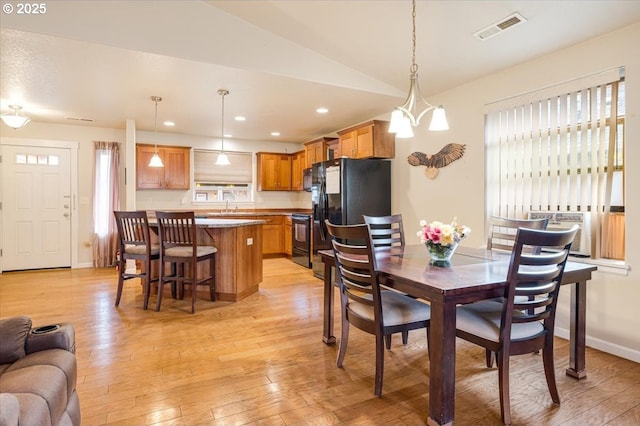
[262,361]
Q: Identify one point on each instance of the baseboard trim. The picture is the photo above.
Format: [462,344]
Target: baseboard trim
[604,346]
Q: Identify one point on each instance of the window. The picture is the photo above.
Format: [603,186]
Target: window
[215,183]
[105,201]
[558,153]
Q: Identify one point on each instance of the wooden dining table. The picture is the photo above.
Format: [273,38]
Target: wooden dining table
[473,274]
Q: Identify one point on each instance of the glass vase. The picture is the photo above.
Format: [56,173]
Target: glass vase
[440,253]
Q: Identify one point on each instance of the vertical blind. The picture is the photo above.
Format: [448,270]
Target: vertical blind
[557,152]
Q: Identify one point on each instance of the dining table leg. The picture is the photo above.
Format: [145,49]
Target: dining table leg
[577,331]
[327,319]
[442,363]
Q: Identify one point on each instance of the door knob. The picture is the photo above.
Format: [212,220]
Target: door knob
[66,214]
[66,206]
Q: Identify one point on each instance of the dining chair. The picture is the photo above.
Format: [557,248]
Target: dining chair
[387,231]
[135,244]
[179,247]
[501,237]
[363,303]
[518,326]
[502,231]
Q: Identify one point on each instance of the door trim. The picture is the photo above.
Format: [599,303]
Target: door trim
[50,143]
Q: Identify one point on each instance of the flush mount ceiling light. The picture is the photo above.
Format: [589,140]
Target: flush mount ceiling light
[222,159]
[408,115]
[14,119]
[156,161]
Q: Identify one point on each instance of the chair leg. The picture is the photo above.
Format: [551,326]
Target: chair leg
[120,280]
[489,357]
[212,281]
[549,369]
[146,284]
[387,341]
[194,285]
[344,341]
[160,284]
[502,361]
[379,364]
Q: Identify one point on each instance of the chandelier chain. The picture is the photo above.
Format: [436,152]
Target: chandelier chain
[414,66]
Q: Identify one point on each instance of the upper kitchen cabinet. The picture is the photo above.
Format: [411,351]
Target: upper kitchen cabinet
[315,151]
[174,175]
[297,170]
[367,140]
[274,171]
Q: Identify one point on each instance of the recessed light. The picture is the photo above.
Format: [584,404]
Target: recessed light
[240,118]
[169,123]
[228,135]
[322,110]
[275,133]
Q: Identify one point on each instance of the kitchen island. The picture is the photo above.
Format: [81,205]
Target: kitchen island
[239,256]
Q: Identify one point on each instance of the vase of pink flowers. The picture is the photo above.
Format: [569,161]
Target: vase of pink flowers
[441,239]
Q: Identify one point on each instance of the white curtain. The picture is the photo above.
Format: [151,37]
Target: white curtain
[555,153]
[106,199]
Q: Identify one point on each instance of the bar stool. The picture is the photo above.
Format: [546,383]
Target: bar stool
[133,233]
[179,247]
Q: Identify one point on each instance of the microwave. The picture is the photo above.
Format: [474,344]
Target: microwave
[306,179]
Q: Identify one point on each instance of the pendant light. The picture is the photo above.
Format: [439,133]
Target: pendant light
[156,161]
[222,159]
[406,116]
[15,120]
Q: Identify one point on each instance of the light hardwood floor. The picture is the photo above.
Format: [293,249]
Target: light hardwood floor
[262,361]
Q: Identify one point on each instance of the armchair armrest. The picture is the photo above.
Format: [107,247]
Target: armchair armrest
[59,336]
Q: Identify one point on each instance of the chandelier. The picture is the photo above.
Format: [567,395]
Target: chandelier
[409,114]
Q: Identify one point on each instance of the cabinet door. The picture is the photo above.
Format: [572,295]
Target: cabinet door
[288,243]
[297,168]
[364,142]
[148,177]
[268,172]
[348,145]
[272,235]
[310,153]
[176,168]
[284,172]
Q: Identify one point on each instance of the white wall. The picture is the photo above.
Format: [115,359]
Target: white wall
[612,300]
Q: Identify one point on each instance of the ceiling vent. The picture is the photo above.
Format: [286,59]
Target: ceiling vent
[81,119]
[500,26]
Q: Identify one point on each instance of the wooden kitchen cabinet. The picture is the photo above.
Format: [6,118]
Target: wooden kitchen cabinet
[274,171]
[174,175]
[272,235]
[297,169]
[315,151]
[367,140]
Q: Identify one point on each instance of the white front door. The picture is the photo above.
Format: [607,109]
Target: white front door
[36,207]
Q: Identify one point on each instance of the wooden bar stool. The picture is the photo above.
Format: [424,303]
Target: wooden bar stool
[133,232]
[179,247]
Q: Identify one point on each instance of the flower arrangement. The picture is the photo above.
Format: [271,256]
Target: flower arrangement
[441,239]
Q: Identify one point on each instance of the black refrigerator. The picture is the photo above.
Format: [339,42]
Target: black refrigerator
[342,190]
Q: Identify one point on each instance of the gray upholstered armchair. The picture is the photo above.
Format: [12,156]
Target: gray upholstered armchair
[38,374]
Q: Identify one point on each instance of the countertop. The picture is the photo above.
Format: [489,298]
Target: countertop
[226,223]
[241,213]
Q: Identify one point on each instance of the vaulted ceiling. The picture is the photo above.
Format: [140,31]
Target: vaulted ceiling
[97,63]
